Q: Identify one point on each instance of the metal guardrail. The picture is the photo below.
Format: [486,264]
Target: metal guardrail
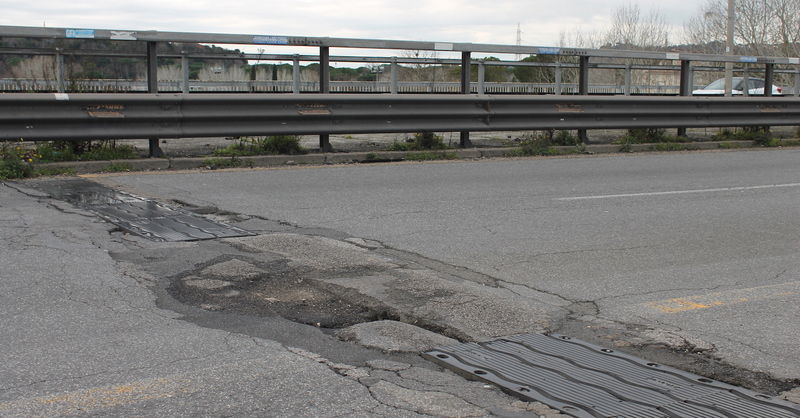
[151,39]
[118,116]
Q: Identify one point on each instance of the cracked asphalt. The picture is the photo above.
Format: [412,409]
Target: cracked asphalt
[634,242]
[89,327]
[685,259]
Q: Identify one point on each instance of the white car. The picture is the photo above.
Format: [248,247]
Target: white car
[755,88]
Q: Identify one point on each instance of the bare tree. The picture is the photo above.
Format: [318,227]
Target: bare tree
[631,29]
[787,31]
[580,39]
[753,18]
[763,27]
[706,31]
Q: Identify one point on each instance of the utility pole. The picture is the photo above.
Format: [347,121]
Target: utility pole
[729,49]
[519,40]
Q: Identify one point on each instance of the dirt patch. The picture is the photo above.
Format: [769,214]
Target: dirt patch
[692,359]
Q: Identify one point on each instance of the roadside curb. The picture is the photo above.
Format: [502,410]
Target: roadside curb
[154,164]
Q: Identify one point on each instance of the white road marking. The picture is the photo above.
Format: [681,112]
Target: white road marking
[672,192]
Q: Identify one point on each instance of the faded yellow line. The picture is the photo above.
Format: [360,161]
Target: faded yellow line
[93,399]
[726,298]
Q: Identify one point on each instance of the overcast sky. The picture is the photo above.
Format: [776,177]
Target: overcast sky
[430,20]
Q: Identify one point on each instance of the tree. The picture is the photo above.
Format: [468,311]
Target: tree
[493,73]
[763,27]
[630,29]
[536,74]
[786,34]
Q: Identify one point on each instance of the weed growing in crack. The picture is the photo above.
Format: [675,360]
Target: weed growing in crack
[671,146]
[430,156]
[648,136]
[544,143]
[233,162]
[55,151]
[269,145]
[421,141]
[759,134]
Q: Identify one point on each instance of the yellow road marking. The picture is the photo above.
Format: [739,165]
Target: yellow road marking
[86,400]
[728,297]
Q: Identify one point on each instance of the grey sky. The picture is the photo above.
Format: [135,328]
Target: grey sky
[440,20]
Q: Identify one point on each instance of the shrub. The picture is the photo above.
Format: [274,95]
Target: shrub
[16,161]
[233,162]
[84,151]
[276,144]
[759,134]
[648,136]
[537,144]
[421,141]
[565,138]
[670,146]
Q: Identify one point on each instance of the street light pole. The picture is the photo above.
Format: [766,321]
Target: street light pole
[729,49]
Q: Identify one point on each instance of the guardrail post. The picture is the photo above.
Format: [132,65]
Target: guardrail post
[60,72]
[465,89]
[583,90]
[627,89]
[558,78]
[152,87]
[769,78]
[481,77]
[797,81]
[393,68]
[325,88]
[184,74]
[251,85]
[685,86]
[296,74]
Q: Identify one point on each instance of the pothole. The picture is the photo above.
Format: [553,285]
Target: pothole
[276,291]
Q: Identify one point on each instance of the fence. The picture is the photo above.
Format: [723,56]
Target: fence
[441,87]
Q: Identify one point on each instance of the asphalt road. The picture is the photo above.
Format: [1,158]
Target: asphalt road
[703,245]
[89,327]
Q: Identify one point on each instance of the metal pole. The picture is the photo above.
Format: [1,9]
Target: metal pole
[746,81]
[627,88]
[185,74]
[60,72]
[729,48]
[558,78]
[296,74]
[769,78]
[393,87]
[583,90]
[481,77]
[465,89]
[152,87]
[685,86]
[325,88]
